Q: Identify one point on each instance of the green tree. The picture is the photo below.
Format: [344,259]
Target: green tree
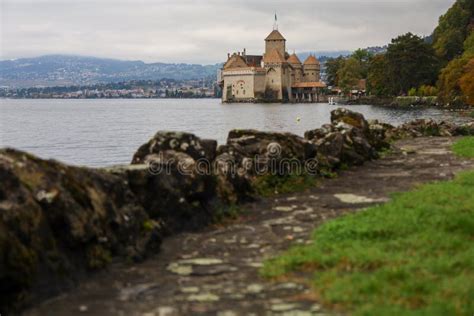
[452,30]
[469,45]
[349,74]
[454,81]
[466,82]
[363,57]
[332,67]
[377,80]
[449,80]
[410,63]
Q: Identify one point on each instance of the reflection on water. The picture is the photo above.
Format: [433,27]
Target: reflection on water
[107,132]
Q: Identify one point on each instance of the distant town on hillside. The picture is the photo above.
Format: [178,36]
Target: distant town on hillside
[65,76]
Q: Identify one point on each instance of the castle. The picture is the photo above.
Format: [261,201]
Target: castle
[274,77]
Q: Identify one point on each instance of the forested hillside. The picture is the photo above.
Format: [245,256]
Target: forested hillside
[441,65]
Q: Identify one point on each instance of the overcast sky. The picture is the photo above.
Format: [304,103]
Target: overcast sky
[203,31]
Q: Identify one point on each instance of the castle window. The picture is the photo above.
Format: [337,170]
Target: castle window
[244,92]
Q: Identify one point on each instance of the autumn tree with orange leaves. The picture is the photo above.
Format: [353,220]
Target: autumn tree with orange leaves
[467,82]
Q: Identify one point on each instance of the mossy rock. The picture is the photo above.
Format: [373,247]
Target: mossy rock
[98,257]
[59,222]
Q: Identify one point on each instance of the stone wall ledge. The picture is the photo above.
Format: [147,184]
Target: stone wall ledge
[60,223]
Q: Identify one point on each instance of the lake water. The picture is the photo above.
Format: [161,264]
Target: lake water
[107,132]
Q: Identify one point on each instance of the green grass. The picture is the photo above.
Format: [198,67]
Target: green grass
[411,256]
[270,185]
[471,114]
[222,213]
[464,147]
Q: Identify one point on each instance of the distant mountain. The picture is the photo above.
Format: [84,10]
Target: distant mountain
[64,70]
[324,54]
[69,70]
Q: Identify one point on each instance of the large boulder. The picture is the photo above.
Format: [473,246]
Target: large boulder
[252,143]
[232,178]
[176,181]
[330,148]
[58,222]
[174,188]
[380,134]
[349,139]
[319,133]
[186,143]
[256,152]
[465,129]
[249,154]
[351,118]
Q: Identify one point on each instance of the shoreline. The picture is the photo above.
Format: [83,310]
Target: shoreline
[217,267]
[407,102]
[388,102]
[124,213]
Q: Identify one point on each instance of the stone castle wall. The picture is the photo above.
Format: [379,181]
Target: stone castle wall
[245,85]
[274,82]
[311,73]
[278,45]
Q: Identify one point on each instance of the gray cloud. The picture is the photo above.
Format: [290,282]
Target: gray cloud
[204,31]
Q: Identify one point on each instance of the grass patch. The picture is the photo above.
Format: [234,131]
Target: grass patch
[471,114]
[385,152]
[464,147]
[270,185]
[223,213]
[411,256]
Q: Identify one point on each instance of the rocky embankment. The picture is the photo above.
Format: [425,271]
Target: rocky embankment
[406,102]
[400,102]
[60,223]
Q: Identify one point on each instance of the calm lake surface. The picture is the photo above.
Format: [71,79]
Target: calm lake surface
[107,132]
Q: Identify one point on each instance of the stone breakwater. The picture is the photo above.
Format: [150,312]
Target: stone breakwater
[60,223]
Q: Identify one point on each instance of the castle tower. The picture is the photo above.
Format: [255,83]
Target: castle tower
[295,62]
[275,41]
[277,75]
[312,69]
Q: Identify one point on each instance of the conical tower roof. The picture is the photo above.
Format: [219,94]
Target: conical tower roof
[311,60]
[275,35]
[294,60]
[273,57]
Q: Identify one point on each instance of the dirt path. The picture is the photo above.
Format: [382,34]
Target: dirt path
[215,272]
